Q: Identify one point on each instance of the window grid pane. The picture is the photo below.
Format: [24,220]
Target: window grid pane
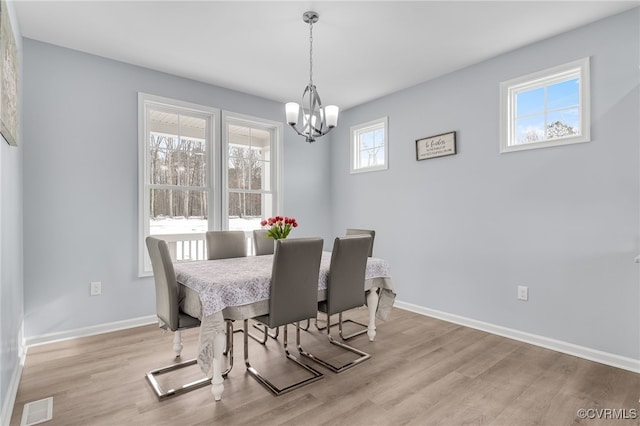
[543,108]
[249,177]
[368,146]
[177,149]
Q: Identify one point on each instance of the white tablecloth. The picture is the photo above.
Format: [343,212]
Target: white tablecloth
[241,281]
[238,288]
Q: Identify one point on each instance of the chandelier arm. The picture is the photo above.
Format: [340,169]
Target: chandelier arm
[320,110]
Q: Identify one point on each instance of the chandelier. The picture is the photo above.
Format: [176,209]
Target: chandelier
[316,120]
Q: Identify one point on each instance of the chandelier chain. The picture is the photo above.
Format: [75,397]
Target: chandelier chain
[311,53]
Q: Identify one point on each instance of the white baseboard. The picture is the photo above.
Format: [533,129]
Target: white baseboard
[90,331]
[12,390]
[545,342]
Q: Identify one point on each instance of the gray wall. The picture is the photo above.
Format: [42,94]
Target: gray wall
[11,312]
[81,180]
[461,232]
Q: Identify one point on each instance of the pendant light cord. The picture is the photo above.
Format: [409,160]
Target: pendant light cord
[311,53]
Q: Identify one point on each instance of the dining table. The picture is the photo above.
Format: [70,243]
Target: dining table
[238,288]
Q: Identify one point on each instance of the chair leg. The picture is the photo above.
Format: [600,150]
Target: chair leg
[306,327]
[322,327]
[177,347]
[229,349]
[316,375]
[352,335]
[265,330]
[161,393]
[336,369]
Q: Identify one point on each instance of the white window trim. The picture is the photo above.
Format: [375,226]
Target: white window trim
[384,121]
[509,88]
[277,172]
[146,100]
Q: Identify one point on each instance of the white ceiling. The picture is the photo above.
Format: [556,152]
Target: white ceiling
[362,49]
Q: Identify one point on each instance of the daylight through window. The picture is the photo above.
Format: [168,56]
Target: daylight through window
[369,146]
[547,108]
[251,147]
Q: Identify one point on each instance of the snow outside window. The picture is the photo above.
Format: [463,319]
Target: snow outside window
[176,170]
[252,155]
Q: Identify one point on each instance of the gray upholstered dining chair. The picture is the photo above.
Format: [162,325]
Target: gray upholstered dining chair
[170,316]
[371,232]
[225,244]
[293,297]
[352,232]
[345,290]
[261,243]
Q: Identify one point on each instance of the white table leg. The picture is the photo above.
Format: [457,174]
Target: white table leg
[372,304]
[177,342]
[217,382]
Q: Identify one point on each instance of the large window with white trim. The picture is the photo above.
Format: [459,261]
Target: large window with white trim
[546,108]
[196,175]
[176,197]
[251,150]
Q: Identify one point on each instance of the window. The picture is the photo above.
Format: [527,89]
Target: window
[176,164]
[251,148]
[190,183]
[546,108]
[369,149]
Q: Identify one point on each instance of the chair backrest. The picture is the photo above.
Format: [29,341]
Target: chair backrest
[261,243]
[294,280]
[345,283]
[371,232]
[167,292]
[225,244]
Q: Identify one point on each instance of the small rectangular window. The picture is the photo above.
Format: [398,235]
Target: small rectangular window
[369,146]
[546,108]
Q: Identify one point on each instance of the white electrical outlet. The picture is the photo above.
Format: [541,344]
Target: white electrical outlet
[96,288]
[523,292]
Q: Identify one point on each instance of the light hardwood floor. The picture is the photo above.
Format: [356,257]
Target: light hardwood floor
[423,371]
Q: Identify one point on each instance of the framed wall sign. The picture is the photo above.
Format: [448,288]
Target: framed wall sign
[436,146]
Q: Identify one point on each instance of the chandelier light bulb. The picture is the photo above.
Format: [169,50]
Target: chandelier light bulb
[292,110]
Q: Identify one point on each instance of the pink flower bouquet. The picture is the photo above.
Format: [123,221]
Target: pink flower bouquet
[279,227]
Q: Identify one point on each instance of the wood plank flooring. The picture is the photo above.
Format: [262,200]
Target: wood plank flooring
[423,371]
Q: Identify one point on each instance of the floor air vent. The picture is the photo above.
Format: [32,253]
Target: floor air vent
[37,412]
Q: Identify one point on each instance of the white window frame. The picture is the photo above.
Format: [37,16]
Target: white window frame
[277,133]
[355,132]
[212,115]
[510,89]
